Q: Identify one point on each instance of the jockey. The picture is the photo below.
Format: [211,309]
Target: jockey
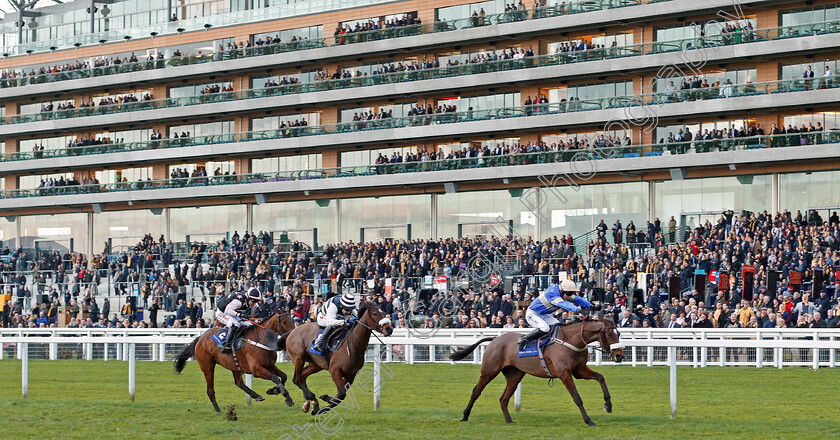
[334,314]
[228,311]
[540,311]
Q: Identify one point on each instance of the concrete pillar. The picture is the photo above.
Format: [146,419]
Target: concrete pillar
[651,200]
[775,191]
[337,225]
[433,217]
[538,195]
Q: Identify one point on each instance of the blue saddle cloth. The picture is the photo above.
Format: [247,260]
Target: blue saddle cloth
[219,339]
[332,343]
[545,341]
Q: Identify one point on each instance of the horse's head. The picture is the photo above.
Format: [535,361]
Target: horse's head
[374,318]
[610,340]
[285,321]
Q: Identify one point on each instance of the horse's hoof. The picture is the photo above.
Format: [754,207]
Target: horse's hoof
[272,391]
[323,410]
[290,402]
[305,406]
[326,398]
[608,408]
[259,398]
[591,423]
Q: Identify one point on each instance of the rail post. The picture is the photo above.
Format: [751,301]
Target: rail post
[248,380]
[377,376]
[131,371]
[672,360]
[517,398]
[23,349]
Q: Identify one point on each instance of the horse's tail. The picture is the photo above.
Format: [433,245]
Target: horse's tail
[281,341]
[458,355]
[185,355]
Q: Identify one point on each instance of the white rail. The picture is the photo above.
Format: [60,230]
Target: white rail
[647,347]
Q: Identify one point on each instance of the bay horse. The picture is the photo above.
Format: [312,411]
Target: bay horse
[565,358]
[250,359]
[344,363]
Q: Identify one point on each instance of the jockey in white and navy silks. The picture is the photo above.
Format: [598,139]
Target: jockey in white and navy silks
[557,296]
[332,315]
[230,307]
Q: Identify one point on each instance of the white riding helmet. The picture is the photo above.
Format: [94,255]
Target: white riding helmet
[348,301]
[569,287]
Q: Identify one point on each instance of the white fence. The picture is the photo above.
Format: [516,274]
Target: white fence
[643,347]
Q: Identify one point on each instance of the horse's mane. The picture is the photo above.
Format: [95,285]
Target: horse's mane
[364,307]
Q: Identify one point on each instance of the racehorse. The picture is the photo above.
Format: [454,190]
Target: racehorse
[564,359]
[347,359]
[250,359]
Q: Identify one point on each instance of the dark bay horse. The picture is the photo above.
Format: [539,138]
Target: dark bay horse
[252,359]
[345,362]
[563,361]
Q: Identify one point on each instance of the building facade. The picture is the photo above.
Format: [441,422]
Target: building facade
[336,121]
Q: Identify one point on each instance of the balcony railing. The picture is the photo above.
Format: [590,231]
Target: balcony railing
[679,148]
[702,94]
[567,8]
[413,75]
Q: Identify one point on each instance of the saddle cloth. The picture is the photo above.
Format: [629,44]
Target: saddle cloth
[545,341]
[332,343]
[219,339]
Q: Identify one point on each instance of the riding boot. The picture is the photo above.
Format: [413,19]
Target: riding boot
[231,334]
[321,341]
[535,334]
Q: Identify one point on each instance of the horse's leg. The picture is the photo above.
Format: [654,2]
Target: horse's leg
[270,372]
[566,377]
[237,379]
[299,379]
[350,378]
[487,375]
[513,376]
[208,367]
[586,373]
[341,384]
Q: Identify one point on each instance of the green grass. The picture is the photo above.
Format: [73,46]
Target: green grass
[89,400]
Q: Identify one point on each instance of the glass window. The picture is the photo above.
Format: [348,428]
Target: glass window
[386,217]
[54,231]
[286,163]
[486,213]
[206,223]
[204,129]
[200,89]
[463,11]
[294,120]
[52,143]
[124,175]
[812,14]
[126,228]
[589,91]
[826,67]
[577,210]
[300,221]
[31,182]
[483,102]
[694,29]
[712,77]
[676,197]
[287,35]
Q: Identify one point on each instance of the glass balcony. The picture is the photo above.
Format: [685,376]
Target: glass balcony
[545,157]
[397,77]
[358,37]
[666,97]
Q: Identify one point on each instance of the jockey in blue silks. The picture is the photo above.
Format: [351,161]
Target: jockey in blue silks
[557,296]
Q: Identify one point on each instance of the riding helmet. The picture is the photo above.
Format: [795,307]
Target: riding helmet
[348,301]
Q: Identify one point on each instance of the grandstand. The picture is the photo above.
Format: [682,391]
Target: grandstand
[160,153]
